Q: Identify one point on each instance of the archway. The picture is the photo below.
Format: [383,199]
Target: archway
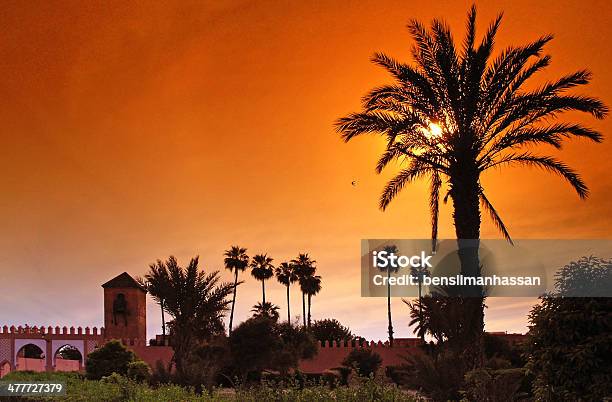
[30,357]
[5,368]
[68,358]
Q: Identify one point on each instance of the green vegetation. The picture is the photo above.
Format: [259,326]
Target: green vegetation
[365,362]
[117,388]
[570,341]
[111,358]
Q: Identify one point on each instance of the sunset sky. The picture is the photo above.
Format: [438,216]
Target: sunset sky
[130,132]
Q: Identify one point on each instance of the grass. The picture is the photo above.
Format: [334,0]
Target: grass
[117,388]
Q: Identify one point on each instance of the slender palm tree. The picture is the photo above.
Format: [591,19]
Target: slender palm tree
[267,310]
[285,274]
[156,283]
[311,285]
[262,270]
[456,113]
[389,269]
[304,267]
[236,260]
[419,273]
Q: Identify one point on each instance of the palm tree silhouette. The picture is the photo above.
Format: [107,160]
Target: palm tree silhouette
[419,273]
[310,285]
[266,310]
[388,269]
[285,274]
[262,270]
[455,114]
[236,260]
[156,283]
[304,267]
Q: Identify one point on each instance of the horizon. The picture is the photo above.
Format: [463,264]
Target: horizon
[185,129]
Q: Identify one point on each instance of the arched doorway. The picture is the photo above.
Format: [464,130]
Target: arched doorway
[30,357]
[5,368]
[68,358]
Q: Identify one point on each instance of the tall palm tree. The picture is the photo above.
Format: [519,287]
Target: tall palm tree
[310,285]
[236,260]
[262,270]
[456,113]
[285,274]
[304,267]
[156,283]
[389,269]
[419,273]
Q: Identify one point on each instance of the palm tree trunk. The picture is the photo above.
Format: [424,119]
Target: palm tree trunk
[421,309]
[390,328]
[163,322]
[304,308]
[288,306]
[263,290]
[465,191]
[233,301]
[309,302]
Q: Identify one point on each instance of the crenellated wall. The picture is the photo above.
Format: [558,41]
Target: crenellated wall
[49,339]
[331,354]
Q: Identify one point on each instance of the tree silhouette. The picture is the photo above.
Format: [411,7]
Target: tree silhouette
[266,310]
[388,269]
[304,267]
[236,260]
[457,113]
[285,274]
[310,285]
[262,270]
[197,303]
[156,283]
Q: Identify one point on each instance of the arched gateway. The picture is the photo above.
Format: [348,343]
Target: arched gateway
[124,318]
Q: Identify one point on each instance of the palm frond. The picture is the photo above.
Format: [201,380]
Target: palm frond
[547,163]
[495,216]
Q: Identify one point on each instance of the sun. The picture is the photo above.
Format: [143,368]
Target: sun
[434,130]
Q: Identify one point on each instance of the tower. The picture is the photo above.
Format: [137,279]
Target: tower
[125,309]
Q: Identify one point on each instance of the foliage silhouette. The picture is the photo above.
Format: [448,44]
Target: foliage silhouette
[262,270]
[286,275]
[236,260]
[304,267]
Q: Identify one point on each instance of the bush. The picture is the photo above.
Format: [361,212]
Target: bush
[138,371]
[488,385]
[365,362]
[439,376]
[111,358]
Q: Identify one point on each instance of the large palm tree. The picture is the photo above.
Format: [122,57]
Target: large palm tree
[285,274]
[197,301]
[156,282]
[310,285]
[304,267]
[236,260]
[262,270]
[389,269]
[455,113]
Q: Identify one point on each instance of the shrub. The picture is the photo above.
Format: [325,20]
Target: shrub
[488,385]
[364,361]
[569,344]
[438,376]
[111,358]
[138,371]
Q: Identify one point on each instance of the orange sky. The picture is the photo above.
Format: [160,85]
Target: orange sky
[132,132]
